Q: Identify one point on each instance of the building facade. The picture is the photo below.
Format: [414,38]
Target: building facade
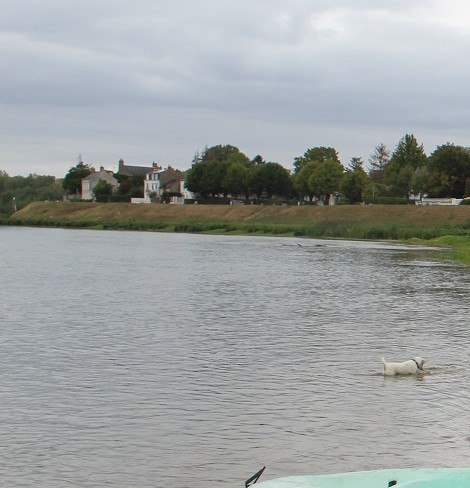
[90,181]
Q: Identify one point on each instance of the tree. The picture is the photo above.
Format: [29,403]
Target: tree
[72,182]
[320,154]
[452,162]
[224,154]
[102,190]
[25,190]
[301,180]
[130,186]
[125,186]
[399,183]
[216,171]
[355,182]
[208,173]
[255,181]
[426,181]
[207,178]
[407,157]
[355,164]
[407,153]
[275,179]
[421,181]
[195,179]
[326,179]
[378,162]
[236,180]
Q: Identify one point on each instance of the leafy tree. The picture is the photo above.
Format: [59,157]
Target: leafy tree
[224,154]
[326,179]
[276,180]
[255,181]
[25,190]
[320,154]
[452,162]
[429,182]
[72,182]
[125,186]
[301,180]
[129,187]
[399,183]
[236,180]
[207,175]
[102,190]
[216,171]
[421,181]
[195,179]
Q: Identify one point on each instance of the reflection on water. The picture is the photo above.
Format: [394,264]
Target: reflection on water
[142,359]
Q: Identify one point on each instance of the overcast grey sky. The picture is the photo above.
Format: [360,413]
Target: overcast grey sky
[154,80]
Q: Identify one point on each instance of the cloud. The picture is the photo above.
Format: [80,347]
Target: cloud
[157,80]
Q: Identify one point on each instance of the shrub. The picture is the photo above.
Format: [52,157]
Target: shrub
[386,201]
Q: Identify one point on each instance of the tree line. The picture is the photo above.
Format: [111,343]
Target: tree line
[317,174]
[19,191]
[223,170]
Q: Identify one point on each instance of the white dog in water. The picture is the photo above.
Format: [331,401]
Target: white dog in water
[407,367]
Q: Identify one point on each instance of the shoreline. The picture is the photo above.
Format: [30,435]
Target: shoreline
[443,226]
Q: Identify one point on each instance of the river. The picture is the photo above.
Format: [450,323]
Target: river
[137,359]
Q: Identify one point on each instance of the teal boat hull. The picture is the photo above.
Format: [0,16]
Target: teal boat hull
[401,478]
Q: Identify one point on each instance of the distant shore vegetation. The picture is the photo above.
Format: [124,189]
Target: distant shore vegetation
[223,172]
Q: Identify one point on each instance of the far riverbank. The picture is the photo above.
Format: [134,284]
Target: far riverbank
[441,225]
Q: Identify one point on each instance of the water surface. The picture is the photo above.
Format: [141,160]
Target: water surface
[147,360]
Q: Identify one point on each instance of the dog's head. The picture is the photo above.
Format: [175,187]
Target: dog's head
[420,362]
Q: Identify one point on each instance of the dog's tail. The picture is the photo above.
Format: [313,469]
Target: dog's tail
[385,366]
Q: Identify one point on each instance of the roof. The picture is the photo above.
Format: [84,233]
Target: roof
[127,170]
[107,176]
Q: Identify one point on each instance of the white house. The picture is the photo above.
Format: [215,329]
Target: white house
[169,180]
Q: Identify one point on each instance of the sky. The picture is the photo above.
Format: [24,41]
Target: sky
[155,80]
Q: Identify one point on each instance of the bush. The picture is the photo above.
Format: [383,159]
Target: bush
[118,198]
[386,201]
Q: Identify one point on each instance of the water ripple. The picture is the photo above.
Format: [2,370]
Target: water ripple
[140,359]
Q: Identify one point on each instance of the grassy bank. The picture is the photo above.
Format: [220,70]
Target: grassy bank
[447,226]
[458,247]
